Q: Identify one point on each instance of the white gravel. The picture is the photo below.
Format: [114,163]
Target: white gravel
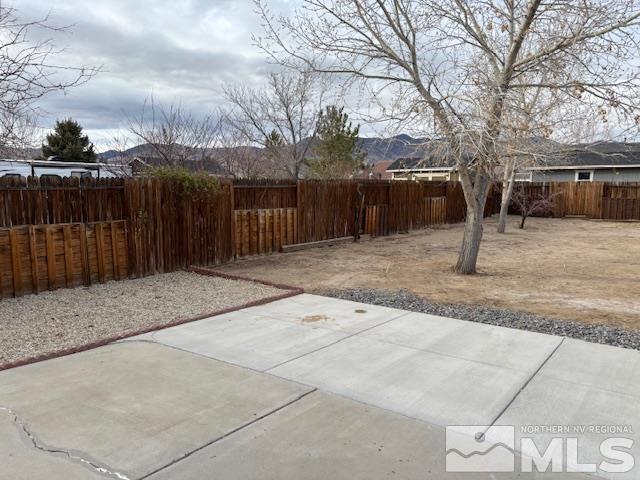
[51,321]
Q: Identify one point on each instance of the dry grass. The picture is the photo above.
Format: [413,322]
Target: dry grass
[564,268]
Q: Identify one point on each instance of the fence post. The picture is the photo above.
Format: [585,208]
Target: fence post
[114,252]
[68,255]
[232,219]
[33,253]
[301,231]
[100,251]
[84,255]
[51,258]
[15,262]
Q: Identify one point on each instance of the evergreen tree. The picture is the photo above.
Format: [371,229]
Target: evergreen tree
[336,148]
[68,143]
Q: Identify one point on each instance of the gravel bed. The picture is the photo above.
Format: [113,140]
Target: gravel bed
[402,299]
[51,321]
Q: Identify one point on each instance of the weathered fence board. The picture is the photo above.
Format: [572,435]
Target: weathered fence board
[69,232]
[53,200]
[435,210]
[46,257]
[326,209]
[170,230]
[589,199]
[264,231]
[376,220]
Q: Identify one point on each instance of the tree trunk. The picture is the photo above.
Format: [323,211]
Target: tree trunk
[470,244]
[476,198]
[507,190]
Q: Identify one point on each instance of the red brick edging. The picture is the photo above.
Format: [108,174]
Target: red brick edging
[291,291]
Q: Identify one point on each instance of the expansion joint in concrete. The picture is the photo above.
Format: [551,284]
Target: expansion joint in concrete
[527,382]
[235,430]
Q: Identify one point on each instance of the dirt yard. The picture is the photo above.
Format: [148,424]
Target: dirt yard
[561,268]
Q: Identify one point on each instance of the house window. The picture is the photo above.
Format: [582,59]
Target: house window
[81,174]
[584,176]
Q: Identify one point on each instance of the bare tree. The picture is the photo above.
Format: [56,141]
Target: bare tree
[280,117]
[175,136]
[529,120]
[238,159]
[29,70]
[454,65]
[528,203]
[18,135]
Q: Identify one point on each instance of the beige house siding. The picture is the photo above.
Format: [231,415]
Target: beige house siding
[427,175]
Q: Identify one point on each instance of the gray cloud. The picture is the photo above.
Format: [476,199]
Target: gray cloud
[180,50]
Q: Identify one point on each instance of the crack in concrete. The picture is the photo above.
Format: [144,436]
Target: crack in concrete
[82,460]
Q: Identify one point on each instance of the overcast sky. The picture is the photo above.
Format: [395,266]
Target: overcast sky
[177,49]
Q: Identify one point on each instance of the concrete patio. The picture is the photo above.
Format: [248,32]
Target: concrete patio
[307,388]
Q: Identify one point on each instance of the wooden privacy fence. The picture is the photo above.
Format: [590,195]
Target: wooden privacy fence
[435,210]
[265,231]
[621,202]
[326,209]
[35,258]
[376,220]
[596,200]
[580,198]
[51,200]
[62,233]
[170,229]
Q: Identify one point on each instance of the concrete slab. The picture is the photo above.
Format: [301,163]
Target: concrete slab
[436,388]
[584,385]
[503,347]
[21,460]
[244,339]
[327,437]
[326,312]
[135,407]
[549,402]
[600,366]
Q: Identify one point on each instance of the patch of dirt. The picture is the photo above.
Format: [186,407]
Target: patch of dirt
[315,318]
[574,269]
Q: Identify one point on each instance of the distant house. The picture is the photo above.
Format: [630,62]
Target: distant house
[418,168]
[598,162]
[601,162]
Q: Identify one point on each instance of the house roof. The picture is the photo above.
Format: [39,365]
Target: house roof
[600,154]
[615,154]
[417,163]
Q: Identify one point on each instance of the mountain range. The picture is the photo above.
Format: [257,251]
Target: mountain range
[378,149]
